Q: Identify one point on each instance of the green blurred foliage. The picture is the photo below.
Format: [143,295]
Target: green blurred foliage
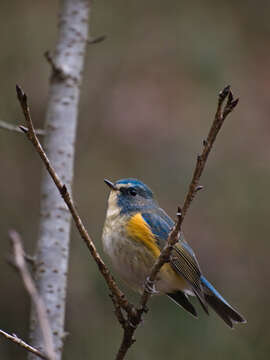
[148,98]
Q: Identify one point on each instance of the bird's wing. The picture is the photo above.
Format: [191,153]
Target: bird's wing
[160,225]
[183,259]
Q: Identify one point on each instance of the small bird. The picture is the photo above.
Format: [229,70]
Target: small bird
[134,233]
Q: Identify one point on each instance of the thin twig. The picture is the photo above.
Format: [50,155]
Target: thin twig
[133,316]
[15,339]
[6,126]
[163,258]
[30,132]
[118,311]
[96,39]
[19,261]
[135,319]
[220,116]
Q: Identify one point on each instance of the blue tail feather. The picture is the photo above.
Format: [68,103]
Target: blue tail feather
[220,305]
[210,287]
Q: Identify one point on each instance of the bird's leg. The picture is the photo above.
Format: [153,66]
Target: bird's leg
[150,286]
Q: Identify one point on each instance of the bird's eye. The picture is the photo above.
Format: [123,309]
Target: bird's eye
[132,191]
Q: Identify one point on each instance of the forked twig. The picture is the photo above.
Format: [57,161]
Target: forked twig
[130,317]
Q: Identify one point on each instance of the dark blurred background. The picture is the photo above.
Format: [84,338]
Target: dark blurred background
[148,99]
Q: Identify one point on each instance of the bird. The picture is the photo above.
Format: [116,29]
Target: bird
[135,230]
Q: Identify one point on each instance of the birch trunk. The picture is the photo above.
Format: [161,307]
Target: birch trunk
[61,121]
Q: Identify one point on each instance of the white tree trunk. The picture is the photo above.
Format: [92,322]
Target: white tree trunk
[61,121]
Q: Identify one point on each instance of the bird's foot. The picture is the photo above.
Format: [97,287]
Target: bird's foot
[150,287]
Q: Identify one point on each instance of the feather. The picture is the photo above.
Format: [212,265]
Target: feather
[220,305]
[183,259]
[181,299]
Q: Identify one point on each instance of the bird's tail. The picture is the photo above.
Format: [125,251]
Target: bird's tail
[220,305]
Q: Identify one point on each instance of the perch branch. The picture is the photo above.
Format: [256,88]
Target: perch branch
[19,262]
[15,339]
[163,258]
[130,325]
[132,316]
[135,319]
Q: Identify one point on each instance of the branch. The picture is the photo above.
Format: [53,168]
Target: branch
[96,39]
[6,126]
[133,316]
[135,319]
[30,132]
[163,258]
[19,261]
[174,236]
[15,339]
[220,116]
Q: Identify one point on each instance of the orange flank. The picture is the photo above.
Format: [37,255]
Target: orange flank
[138,230]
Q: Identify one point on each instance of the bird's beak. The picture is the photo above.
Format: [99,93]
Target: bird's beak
[110,184]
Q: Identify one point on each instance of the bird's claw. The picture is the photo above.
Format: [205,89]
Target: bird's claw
[150,287]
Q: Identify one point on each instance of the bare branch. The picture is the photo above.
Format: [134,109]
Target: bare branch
[220,116]
[6,126]
[133,316]
[97,39]
[135,319]
[15,339]
[30,132]
[164,257]
[19,261]
[118,311]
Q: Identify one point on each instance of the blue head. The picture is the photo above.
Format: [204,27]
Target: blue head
[130,195]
